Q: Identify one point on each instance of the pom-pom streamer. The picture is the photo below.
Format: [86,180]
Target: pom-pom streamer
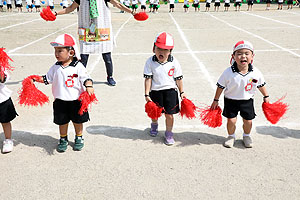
[188,109]
[4,62]
[153,111]
[274,111]
[141,16]
[211,118]
[47,14]
[29,95]
[85,101]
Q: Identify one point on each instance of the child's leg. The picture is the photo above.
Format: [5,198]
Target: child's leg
[169,140]
[7,130]
[247,126]
[154,128]
[79,141]
[78,129]
[231,127]
[63,142]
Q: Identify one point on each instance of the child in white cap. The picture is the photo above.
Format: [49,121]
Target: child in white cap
[239,83]
[7,113]
[69,78]
[163,78]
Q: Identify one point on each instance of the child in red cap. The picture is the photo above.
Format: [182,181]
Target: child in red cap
[163,78]
[69,78]
[239,83]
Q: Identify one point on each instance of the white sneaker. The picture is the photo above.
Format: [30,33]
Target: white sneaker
[8,146]
[247,141]
[229,142]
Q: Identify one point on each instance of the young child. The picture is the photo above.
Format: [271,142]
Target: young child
[1,6]
[237,5]
[37,5]
[7,113]
[143,5]
[172,5]
[268,2]
[163,75]
[29,5]
[290,4]
[239,83]
[186,5]
[134,5]
[9,6]
[155,6]
[65,3]
[19,5]
[207,5]
[250,5]
[227,5]
[196,5]
[51,4]
[217,5]
[151,5]
[69,79]
[280,3]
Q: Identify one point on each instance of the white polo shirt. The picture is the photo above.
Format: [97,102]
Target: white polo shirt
[4,91]
[134,1]
[172,1]
[196,1]
[163,76]
[239,86]
[208,1]
[67,82]
[186,2]
[143,2]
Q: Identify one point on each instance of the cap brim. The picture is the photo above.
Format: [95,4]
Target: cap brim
[55,44]
[163,46]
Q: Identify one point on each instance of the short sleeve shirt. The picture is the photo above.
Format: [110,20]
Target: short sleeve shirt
[239,86]
[78,1]
[4,91]
[67,82]
[164,75]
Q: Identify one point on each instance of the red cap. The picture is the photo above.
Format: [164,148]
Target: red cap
[66,40]
[164,40]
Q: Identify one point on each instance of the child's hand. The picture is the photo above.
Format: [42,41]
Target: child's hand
[266,99]
[147,98]
[37,79]
[90,90]
[214,105]
[183,96]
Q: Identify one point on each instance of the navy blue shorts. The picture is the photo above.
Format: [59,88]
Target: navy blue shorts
[66,111]
[168,99]
[7,111]
[233,107]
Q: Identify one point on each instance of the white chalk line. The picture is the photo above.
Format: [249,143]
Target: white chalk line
[35,41]
[150,53]
[267,18]
[92,66]
[7,27]
[254,35]
[200,64]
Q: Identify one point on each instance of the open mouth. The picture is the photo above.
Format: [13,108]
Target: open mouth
[244,61]
[161,57]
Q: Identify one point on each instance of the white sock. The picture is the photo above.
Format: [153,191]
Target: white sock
[233,135]
[246,135]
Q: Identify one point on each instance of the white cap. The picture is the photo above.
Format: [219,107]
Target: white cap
[66,40]
[241,45]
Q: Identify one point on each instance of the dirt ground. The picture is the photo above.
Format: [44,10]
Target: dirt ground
[120,160]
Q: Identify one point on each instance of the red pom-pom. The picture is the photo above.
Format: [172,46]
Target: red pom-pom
[274,111]
[153,111]
[29,95]
[141,16]
[188,109]
[47,14]
[85,100]
[211,118]
[4,62]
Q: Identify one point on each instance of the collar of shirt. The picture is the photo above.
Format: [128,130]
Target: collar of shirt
[234,68]
[72,64]
[170,59]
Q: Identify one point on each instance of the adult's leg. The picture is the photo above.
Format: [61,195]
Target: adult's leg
[84,59]
[108,63]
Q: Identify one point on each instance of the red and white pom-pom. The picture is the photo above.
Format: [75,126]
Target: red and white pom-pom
[47,14]
[29,95]
[4,62]
[85,101]
[274,111]
[188,109]
[153,111]
[141,16]
[211,118]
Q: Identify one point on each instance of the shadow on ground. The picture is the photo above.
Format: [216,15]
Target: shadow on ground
[45,142]
[278,132]
[182,139]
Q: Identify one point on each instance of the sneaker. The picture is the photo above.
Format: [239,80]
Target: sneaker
[153,130]
[8,146]
[79,143]
[111,81]
[247,141]
[62,145]
[169,140]
[229,142]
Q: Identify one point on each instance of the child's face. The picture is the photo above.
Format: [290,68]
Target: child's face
[243,57]
[162,54]
[62,54]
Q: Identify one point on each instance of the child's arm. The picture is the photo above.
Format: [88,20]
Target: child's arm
[67,10]
[148,82]
[121,6]
[89,86]
[263,91]
[38,79]
[2,77]
[215,102]
[179,84]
